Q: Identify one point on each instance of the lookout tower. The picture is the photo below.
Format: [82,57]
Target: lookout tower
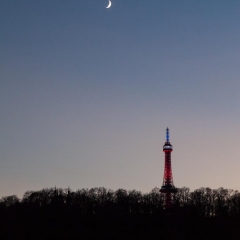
[168,187]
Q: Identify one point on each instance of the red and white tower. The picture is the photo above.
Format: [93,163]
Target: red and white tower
[168,187]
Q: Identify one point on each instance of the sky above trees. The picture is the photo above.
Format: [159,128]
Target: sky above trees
[86,93]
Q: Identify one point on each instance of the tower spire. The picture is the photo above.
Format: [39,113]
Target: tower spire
[167,135]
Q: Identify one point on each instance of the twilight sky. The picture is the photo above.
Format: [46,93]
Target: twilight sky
[86,93]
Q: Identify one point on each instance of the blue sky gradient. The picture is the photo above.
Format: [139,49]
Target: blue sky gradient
[86,93]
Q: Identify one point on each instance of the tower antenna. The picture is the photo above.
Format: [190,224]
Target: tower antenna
[167,135]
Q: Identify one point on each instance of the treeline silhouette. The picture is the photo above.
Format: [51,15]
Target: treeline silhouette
[101,213]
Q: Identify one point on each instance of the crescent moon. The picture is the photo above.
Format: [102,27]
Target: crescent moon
[109,4]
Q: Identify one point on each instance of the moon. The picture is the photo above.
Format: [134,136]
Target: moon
[109,4]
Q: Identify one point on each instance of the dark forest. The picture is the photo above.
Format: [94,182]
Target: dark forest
[100,213]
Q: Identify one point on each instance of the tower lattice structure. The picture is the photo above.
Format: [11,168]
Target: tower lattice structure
[168,187]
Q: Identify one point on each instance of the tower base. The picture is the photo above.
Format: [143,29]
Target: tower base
[168,195]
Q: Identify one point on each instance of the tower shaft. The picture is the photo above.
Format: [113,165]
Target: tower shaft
[167,179]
